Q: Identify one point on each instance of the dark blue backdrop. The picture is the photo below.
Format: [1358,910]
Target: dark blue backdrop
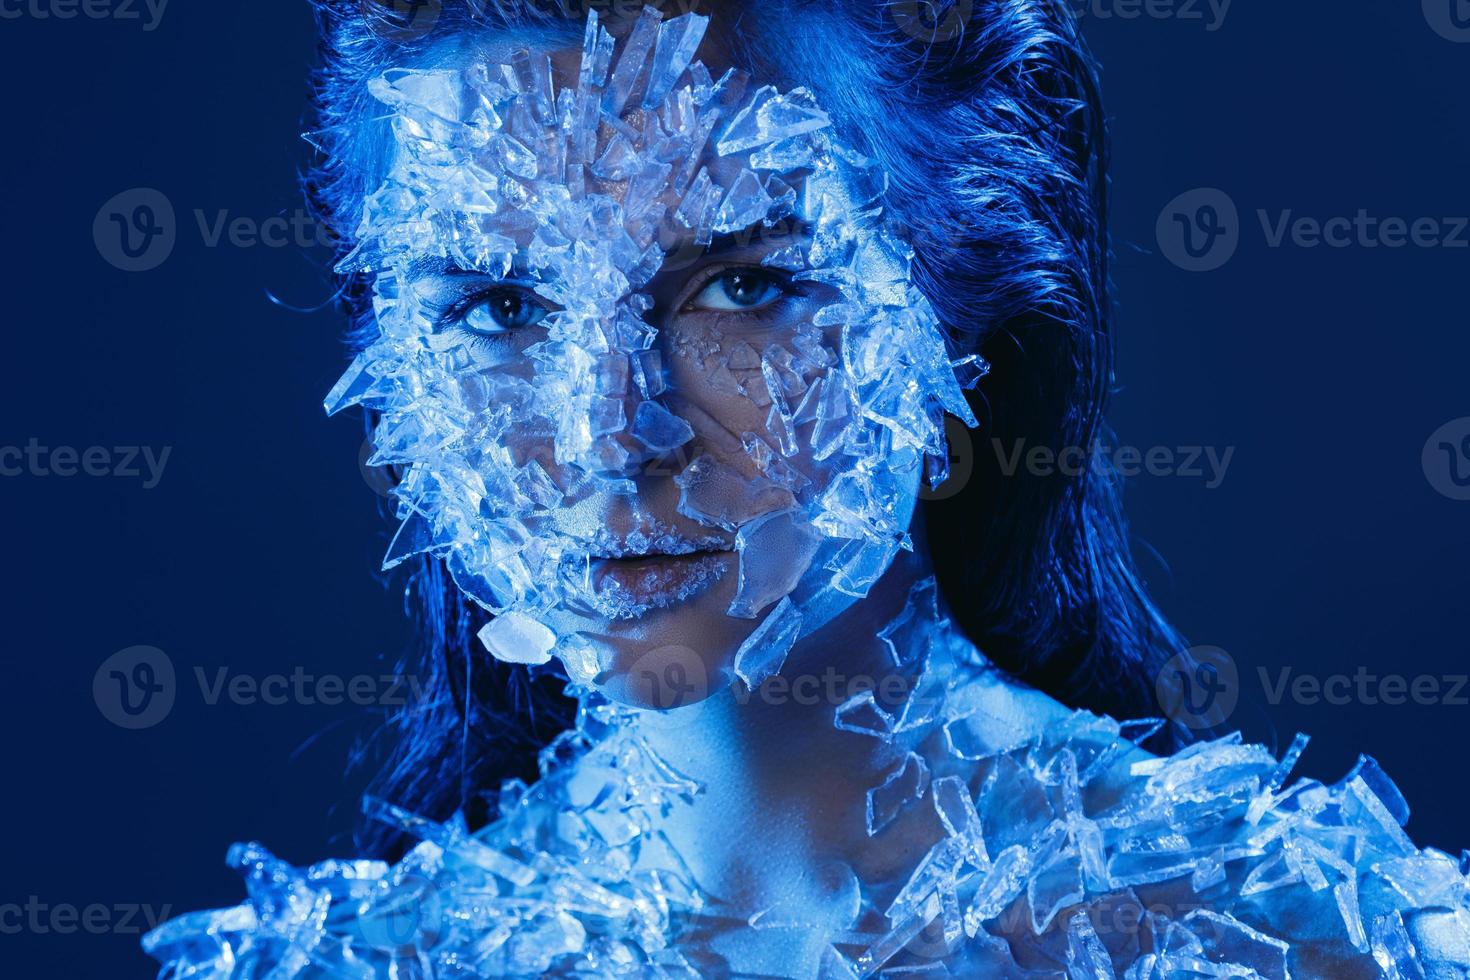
[1327,547]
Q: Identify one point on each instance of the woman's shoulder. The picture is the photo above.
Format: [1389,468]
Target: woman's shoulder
[572,877]
[1105,860]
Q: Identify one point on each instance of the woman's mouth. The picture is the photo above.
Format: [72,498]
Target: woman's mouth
[628,586]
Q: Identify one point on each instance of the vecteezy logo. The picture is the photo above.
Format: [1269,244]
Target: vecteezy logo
[961,462]
[932,21]
[400,20]
[1446,459]
[135,230]
[1449,18]
[1199,687]
[1199,230]
[134,688]
[669,677]
[380,479]
[408,913]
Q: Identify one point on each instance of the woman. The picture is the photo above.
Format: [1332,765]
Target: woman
[664,323]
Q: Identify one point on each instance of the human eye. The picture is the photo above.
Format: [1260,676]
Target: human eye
[500,309]
[739,289]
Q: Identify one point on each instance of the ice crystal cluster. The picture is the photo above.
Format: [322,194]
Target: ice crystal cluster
[584,193]
[1072,854]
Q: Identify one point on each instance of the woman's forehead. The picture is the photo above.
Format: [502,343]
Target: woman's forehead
[626,108]
[561,39]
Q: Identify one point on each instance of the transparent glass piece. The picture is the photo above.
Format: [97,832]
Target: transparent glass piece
[861,563]
[1382,787]
[1055,885]
[1393,948]
[678,39]
[907,637]
[775,551]
[632,60]
[658,428]
[517,639]
[745,204]
[862,715]
[771,117]
[719,495]
[1228,940]
[1087,958]
[904,785]
[956,809]
[765,650]
[998,887]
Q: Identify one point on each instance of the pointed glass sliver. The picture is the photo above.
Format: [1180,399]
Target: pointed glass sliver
[678,39]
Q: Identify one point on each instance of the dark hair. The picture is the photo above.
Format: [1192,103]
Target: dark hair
[987,117]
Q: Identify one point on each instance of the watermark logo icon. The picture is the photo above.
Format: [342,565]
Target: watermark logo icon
[1446,459]
[1199,687]
[932,21]
[1450,19]
[1199,230]
[960,464]
[401,20]
[669,677]
[134,688]
[407,914]
[380,478]
[135,230]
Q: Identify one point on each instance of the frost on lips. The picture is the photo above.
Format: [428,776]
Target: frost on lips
[572,190]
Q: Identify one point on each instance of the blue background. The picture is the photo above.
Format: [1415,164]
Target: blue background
[1324,549]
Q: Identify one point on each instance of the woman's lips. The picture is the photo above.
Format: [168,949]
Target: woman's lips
[628,587]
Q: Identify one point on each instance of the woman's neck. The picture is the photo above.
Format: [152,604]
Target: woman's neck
[779,780]
[784,791]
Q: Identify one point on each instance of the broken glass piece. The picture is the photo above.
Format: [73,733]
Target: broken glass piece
[1381,786]
[771,117]
[907,636]
[1227,940]
[745,204]
[861,714]
[969,370]
[956,809]
[904,785]
[1087,958]
[658,428]
[517,639]
[678,39]
[1393,948]
[861,563]
[775,551]
[998,887]
[631,61]
[773,466]
[1053,886]
[765,650]
[714,493]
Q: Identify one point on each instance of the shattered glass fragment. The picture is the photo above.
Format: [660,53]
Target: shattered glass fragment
[775,551]
[904,785]
[764,651]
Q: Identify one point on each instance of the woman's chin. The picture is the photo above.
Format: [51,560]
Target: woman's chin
[667,657]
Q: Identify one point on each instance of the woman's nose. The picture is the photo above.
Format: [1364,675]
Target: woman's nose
[637,426]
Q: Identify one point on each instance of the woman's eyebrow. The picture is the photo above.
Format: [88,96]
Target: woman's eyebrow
[756,236]
[433,266]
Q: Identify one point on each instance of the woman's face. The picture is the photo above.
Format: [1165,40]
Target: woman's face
[652,365]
